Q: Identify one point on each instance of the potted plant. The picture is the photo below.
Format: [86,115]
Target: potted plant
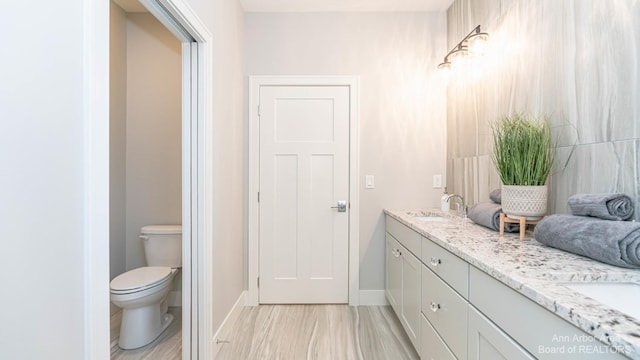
[523,154]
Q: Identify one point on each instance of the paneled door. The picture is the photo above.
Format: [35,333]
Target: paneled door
[303,194]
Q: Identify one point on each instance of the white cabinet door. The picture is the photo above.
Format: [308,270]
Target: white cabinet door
[393,274]
[411,291]
[488,342]
[432,347]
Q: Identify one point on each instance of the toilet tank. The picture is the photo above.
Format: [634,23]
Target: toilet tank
[162,245]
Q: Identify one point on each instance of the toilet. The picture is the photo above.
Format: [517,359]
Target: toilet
[142,293]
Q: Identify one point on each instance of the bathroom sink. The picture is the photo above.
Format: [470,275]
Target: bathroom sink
[431,218]
[620,296]
[427,216]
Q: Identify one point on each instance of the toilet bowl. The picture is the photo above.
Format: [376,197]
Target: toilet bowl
[142,292]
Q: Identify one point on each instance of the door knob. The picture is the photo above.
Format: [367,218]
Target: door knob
[341,206]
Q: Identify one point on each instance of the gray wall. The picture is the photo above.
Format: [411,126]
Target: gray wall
[154,118]
[576,61]
[117,140]
[402,112]
[145,133]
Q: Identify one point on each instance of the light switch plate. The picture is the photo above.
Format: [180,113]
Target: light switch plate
[369,182]
[437,181]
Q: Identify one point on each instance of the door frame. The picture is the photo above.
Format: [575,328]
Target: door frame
[255,82]
[197,137]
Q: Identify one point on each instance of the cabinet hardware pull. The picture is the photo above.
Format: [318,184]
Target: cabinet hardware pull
[434,307]
[435,262]
[396,252]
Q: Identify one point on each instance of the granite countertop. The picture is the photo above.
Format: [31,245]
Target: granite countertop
[537,272]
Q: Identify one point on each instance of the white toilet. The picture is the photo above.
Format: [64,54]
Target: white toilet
[142,293]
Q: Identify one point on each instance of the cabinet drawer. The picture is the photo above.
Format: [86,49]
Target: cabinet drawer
[407,237]
[541,332]
[432,347]
[453,270]
[446,311]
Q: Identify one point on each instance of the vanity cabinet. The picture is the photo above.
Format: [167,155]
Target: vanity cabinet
[536,329]
[452,310]
[402,285]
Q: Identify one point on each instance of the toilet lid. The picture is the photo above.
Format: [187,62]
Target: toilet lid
[146,276]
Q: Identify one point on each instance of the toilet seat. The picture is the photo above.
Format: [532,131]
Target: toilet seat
[140,279]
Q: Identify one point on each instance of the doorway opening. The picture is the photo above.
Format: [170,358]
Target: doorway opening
[195,52]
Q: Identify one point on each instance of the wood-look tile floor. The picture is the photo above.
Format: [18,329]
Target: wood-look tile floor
[329,332]
[168,346]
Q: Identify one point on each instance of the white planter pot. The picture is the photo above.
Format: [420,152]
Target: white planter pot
[528,201]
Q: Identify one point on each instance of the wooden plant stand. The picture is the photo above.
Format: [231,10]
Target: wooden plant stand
[522,221]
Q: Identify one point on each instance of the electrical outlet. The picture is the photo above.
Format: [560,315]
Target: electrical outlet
[369,182]
[437,181]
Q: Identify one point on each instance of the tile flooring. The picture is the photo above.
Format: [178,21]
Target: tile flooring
[321,332]
[291,332]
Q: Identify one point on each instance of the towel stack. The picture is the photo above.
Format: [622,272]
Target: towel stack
[596,229]
[487,214]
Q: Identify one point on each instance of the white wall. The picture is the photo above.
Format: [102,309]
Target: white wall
[153,130]
[224,19]
[402,101]
[42,186]
[45,160]
[117,140]
[227,254]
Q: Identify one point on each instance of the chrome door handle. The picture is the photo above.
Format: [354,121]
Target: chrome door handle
[434,306]
[341,206]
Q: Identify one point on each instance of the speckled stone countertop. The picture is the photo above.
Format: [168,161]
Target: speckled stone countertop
[537,272]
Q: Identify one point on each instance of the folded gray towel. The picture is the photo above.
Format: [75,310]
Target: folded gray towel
[616,206]
[496,196]
[488,215]
[613,242]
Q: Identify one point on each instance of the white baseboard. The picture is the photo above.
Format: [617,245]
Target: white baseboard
[174,298]
[373,297]
[223,331]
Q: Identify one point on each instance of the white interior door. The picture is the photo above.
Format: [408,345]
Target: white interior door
[304,173]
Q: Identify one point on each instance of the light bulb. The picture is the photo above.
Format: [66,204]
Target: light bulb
[477,44]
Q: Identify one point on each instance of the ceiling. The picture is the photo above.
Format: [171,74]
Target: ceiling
[321,5]
[344,5]
[130,6]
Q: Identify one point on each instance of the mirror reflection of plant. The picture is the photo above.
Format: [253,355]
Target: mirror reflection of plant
[523,150]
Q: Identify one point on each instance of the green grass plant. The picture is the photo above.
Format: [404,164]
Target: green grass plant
[522,149]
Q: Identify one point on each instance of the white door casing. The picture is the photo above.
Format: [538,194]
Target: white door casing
[197,62]
[304,172]
[287,261]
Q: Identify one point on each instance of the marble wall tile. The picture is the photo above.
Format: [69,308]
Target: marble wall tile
[576,61]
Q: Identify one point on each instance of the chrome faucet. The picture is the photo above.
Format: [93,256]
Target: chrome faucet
[461,208]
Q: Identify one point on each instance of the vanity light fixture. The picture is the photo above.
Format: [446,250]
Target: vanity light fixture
[472,44]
